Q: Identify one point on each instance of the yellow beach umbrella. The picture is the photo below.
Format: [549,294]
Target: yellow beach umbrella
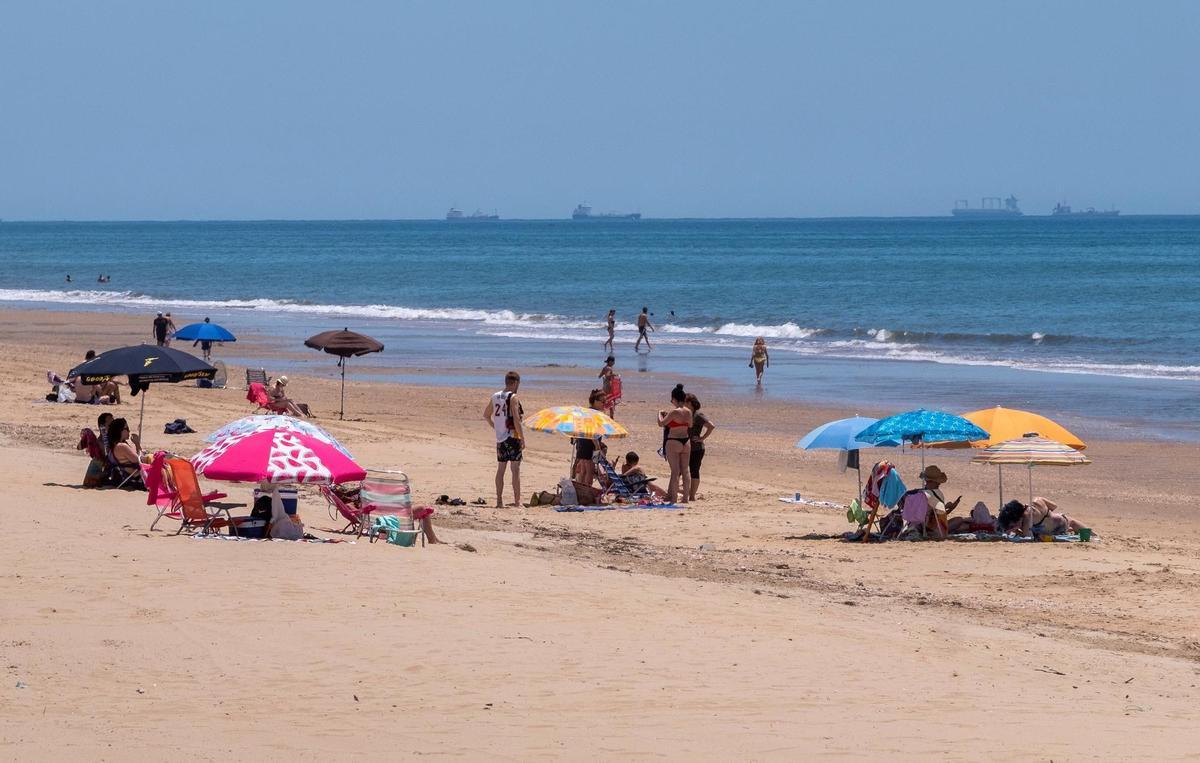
[575,421]
[1003,424]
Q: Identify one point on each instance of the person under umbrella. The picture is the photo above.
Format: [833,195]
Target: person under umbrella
[144,365]
[204,334]
[345,344]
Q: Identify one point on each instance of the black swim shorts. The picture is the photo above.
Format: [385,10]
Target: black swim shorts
[695,460]
[509,450]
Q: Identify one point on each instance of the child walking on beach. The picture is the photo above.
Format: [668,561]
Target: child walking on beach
[503,412]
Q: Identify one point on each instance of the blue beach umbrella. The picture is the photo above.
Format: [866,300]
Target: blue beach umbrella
[205,332]
[843,435]
[922,427]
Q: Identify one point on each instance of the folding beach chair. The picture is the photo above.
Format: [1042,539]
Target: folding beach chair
[257,376]
[355,517]
[191,503]
[632,491]
[257,394]
[119,475]
[160,489]
[387,494]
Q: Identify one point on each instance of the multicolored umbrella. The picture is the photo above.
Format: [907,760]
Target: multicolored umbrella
[1031,452]
[275,421]
[922,427]
[575,421]
[280,455]
[1007,424]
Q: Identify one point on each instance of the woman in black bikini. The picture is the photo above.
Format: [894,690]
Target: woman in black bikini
[678,448]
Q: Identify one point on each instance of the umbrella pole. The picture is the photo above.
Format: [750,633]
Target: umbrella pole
[1000,476]
[342,406]
[1031,483]
[858,468]
[141,415]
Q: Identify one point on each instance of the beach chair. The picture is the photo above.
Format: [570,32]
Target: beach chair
[632,491]
[355,517]
[120,476]
[257,394]
[386,496]
[257,376]
[192,505]
[614,395]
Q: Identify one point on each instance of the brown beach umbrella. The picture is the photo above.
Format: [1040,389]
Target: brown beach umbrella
[345,344]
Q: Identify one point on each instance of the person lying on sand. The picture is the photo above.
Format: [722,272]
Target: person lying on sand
[1041,517]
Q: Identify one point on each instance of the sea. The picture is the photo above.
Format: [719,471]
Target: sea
[1093,321]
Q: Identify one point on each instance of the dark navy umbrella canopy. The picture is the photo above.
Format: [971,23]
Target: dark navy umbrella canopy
[205,332]
[143,364]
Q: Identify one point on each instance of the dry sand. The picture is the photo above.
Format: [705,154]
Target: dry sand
[578,635]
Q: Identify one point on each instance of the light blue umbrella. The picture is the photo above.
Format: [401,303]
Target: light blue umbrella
[922,427]
[205,332]
[843,435]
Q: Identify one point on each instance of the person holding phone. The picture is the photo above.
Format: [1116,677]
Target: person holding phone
[937,521]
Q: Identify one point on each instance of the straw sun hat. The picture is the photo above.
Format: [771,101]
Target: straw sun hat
[933,474]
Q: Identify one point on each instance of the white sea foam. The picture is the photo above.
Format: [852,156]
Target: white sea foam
[882,344]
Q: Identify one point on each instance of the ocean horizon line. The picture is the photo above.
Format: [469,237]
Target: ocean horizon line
[817,218]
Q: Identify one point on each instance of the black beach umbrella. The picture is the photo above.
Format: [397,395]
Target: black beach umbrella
[144,364]
[345,344]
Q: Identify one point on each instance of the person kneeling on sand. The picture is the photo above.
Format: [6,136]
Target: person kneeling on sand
[1041,517]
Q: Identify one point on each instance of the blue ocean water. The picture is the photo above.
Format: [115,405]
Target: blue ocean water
[1092,317]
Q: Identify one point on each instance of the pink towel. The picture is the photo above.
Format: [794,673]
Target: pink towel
[916,507]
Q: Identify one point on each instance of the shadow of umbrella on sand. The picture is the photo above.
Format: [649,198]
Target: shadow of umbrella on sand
[345,344]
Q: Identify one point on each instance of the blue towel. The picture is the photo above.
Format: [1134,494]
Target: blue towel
[619,507]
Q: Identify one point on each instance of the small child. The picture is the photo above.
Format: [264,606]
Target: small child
[633,474]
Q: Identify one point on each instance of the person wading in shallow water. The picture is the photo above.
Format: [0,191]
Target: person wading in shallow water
[503,412]
[644,325]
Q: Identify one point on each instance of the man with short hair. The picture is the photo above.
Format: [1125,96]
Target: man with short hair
[503,413]
[161,325]
[644,325]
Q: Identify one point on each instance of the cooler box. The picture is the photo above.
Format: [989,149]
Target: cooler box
[290,496]
[249,528]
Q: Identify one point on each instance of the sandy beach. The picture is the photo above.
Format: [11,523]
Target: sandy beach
[578,635]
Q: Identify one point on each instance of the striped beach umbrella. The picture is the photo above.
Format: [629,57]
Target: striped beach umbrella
[1029,451]
[575,421]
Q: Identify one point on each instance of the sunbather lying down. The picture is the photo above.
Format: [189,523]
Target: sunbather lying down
[1040,517]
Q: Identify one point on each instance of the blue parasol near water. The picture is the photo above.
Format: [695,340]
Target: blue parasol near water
[922,427]
[205,332]
[843,435]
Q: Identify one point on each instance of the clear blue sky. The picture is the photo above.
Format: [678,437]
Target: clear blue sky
[163,110]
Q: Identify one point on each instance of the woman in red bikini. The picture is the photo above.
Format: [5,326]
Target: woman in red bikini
[678,446]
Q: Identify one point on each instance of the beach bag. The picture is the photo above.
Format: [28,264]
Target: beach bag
[66,394]
[566,492]
[586,495]
[178,426]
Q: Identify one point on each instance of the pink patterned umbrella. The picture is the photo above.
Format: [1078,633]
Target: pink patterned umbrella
[279,456]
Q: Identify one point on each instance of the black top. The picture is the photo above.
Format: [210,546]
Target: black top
[697,428]
[160,327]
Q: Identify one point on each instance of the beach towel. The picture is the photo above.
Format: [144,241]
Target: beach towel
[620,507]
[91,443]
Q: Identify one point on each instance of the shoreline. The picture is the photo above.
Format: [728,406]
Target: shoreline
[432,353]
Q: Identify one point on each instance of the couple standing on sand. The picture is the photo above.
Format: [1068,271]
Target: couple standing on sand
[643,323]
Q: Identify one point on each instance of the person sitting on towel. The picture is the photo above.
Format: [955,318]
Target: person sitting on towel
[1041,517]
[937,517]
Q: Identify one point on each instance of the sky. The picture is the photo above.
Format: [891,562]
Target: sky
[302,110]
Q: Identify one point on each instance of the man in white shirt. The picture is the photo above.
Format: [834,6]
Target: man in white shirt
[503,414]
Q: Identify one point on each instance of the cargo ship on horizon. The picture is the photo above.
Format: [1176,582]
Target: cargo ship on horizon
[457,214]
[584,212]
[1061,209]
[990,207]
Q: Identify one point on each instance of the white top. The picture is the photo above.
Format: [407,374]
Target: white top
[500,415]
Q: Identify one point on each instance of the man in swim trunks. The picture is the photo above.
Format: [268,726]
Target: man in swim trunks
[503,413]
[644,325]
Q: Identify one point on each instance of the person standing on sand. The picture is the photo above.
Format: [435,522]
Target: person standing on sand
[676,424]
[608,404]
[160,330]
[612,326]
[503,412]
[644,325]
[699,431]
[759,359]
[170,330]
